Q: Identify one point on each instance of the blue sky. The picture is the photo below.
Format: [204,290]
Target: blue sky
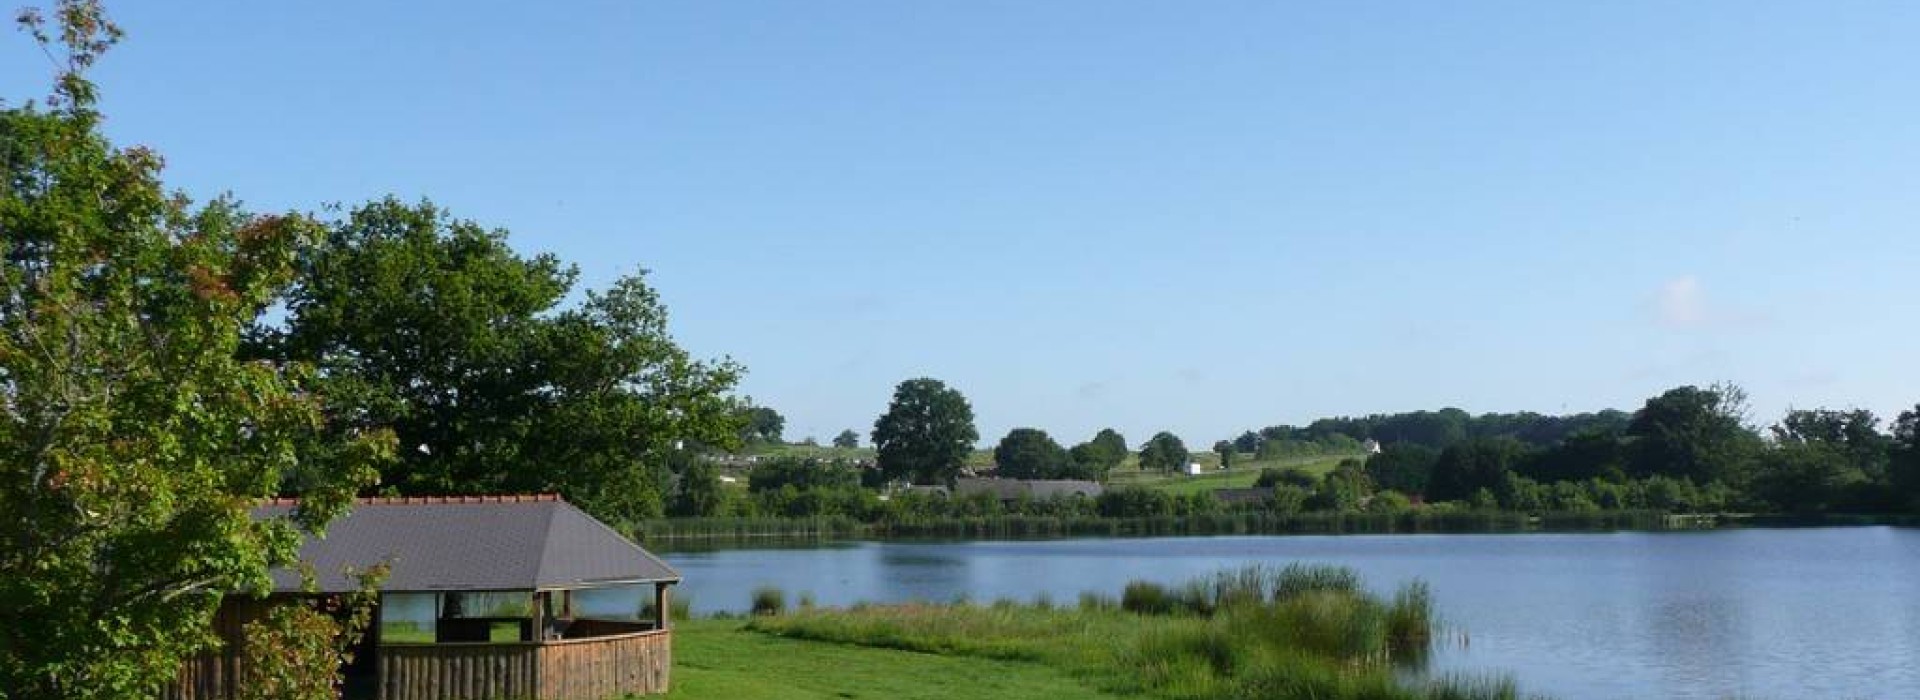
[1196,216]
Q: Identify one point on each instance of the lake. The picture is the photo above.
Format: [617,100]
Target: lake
[1752,613]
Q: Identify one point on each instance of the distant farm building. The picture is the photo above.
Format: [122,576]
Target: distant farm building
[521,597]
[1193,469]
[1009,490]
[1252,495]
[1371,446]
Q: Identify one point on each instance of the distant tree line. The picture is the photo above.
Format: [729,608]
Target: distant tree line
[1434,429]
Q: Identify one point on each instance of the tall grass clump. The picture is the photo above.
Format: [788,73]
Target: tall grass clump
[768,600]
[1252,633]
[1410,619]
[1146,598]
[1301,579]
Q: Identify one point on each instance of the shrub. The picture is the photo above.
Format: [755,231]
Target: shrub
[1146,598]
[768,600]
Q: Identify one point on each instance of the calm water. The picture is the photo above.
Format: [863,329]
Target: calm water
[1814,613]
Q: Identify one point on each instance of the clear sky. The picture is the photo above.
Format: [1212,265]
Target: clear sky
[1197,216]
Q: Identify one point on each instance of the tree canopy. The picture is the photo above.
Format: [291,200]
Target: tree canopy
[1164,452]
[436,327]
[847,439]
[1029,453]
[134,440]
[1693,433]
[926,433]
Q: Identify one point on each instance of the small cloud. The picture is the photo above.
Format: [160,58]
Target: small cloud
[1681,304]
[1192,375]
[1092,391]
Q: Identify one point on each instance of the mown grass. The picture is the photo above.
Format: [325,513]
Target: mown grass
[1242,475]
[720,660]
[1307,632]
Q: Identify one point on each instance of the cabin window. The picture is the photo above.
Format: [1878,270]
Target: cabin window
[629,603]
[408,618]
[479,605]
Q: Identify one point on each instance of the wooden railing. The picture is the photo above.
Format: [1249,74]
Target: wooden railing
[606,667]
[592,668]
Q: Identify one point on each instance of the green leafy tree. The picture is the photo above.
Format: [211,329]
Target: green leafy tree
[1112,447]
[134,442]
[1693,433]
[763,424]
[1224,448]
[1094,459]
[1342,489]
[1466,468]
[1582,456]
[926,433]
[847,439]
[1029,453]
[436,327]
[1855,433]
[801,473]
[1164,452]
[1403,467]
[1808,477]
[698,493]
[1906,458]
[1248,443]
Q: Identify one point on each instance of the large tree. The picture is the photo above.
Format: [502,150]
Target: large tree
[1164,452]
[763,424]
[926,433]
[1224,448]
[1029,453]
[847,439]
[133,442]
[1694,433]
[1469,466]
[1905,466]
[1404,467]
[435,326]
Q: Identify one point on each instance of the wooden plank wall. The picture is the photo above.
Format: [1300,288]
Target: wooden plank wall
[216,675]
[593,669]
[466,671]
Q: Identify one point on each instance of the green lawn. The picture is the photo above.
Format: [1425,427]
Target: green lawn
[717,659]
[1242,475]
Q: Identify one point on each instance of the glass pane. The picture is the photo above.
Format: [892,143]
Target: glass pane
[614,602]
[502,604]
[503,631]
[406,618]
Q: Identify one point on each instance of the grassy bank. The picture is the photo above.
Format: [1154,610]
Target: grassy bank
[721,660]
[1308,632]
[1243,474]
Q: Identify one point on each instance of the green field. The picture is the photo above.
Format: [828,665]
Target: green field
[719,660]
[1242,475]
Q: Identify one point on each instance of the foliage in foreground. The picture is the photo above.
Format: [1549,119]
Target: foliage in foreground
[133,443]
[1300,632]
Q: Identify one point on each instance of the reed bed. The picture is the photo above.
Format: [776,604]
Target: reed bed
[1297,632]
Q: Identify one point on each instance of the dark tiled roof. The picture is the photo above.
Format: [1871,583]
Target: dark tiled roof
[1252,494]
[1036,489]
[470,543]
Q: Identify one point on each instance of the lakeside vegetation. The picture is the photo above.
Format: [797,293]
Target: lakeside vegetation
[720,659]
[1302,631]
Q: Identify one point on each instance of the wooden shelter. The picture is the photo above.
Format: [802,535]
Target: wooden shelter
[512,597]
